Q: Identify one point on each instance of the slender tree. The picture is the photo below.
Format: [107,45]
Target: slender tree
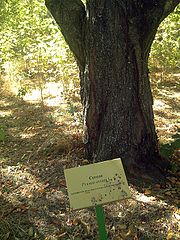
[111,41]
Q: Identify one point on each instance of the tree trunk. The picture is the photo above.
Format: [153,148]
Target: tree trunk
[115,89]
[118,99]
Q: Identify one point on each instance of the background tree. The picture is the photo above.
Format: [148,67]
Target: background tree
[165,52]
[28,48]
[111,41]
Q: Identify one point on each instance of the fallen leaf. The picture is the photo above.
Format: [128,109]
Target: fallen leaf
[168,193]
[128,233]
[122,226]
[62,234]
[157,186]
[62,182]
[69,222]
[41,190]
[23,207]
[33,209]
[170,235]
[173,179]
[76,221]
[113,228]
[31,232]
[147,191]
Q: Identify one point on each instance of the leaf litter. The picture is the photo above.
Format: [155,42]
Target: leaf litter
[37,147]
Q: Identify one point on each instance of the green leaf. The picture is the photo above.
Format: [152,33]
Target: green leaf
[166,151]
[176,144]
[31,232]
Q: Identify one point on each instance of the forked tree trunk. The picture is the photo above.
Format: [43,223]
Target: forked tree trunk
[112,52]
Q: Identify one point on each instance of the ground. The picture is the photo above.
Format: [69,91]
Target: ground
[40,140]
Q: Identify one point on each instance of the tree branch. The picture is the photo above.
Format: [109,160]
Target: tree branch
[70,16]
[169,6]
[163,7]
[152,13]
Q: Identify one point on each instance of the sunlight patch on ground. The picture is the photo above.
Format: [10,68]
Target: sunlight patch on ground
[159,104]
[169,93]
[166,105]
[53,101]
[166,114]
[27,135]
[143,198]
[4,103]
[18,183]
[33,96]
[5,113]
[50,95]
[175,95]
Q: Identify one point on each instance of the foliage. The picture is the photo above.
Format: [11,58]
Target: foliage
[33,51]
[168,149]
[165,52]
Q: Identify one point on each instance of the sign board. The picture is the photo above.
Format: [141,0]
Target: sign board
[96,184]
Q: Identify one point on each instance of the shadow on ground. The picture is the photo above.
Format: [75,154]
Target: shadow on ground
[15,222]
[39,143]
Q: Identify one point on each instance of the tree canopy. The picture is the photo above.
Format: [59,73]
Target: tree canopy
[32,46]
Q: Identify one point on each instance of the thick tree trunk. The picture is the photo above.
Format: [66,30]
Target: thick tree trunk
[116,39]
[118,99]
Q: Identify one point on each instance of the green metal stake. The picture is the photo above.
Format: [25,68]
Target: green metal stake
[101,222]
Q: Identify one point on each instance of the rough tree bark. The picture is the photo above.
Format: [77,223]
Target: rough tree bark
[111,41]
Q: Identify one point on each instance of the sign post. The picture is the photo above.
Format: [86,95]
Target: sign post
[101,222]
[96,184]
